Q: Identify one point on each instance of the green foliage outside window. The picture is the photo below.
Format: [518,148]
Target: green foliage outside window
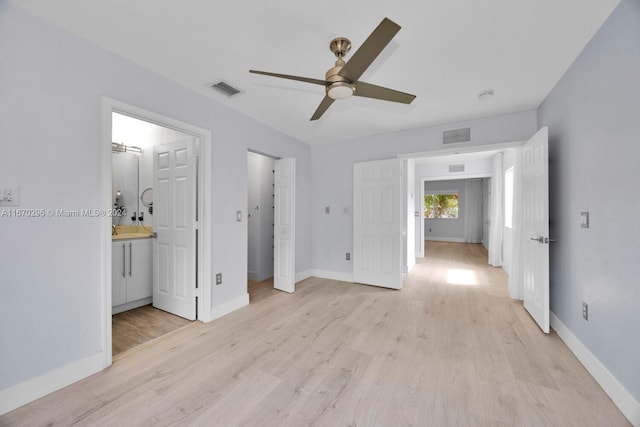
[441,206]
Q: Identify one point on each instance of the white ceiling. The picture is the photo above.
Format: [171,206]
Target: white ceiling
[447,52]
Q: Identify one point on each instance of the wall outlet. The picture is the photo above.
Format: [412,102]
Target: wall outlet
[348,256]
[10,196]
[585,311]
[219,279]
[327,209]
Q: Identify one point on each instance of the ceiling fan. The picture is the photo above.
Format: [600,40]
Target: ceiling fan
[341,81]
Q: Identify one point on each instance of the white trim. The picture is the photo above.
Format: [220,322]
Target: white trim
[620,396]
[28,391]
[462,150]
[302,275]
[446,239]
[228,307]
[452,177]
[333,275]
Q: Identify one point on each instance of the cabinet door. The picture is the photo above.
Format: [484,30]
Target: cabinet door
[139,283]
[118,273]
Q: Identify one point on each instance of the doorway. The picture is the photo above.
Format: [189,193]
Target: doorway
[260,222]
[280,173]
[149,129]
[137,317]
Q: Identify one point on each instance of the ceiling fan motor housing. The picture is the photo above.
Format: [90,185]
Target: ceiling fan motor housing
[339,87]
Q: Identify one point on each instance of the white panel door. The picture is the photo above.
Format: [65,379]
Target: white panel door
[174,222]
[536,228]
[284,238]
[377,223]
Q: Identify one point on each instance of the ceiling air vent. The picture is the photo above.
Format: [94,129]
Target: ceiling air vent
[454,136]
[225,88]
[456,168]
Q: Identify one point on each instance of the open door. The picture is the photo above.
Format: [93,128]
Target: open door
[284,240]
[174,223]
[377,223]
[535,259]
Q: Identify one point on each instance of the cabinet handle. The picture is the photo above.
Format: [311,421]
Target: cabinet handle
[124,261]
[130,258]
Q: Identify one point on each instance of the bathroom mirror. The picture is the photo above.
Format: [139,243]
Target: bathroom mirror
[147,199]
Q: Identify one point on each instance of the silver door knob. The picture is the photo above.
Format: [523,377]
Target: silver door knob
[538,239]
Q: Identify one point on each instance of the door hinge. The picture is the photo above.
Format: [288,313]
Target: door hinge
[198,293]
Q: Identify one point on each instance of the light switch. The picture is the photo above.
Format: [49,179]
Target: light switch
[584,219]
[327,209]
[239,216]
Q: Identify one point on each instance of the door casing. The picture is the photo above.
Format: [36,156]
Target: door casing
[204,245]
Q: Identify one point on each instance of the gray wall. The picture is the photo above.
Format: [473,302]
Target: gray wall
[593,115]
[51,119]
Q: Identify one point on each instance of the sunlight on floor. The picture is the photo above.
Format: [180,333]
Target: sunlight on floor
[461,277]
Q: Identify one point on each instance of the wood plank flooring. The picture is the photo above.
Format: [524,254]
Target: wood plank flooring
[449,349]
[140,325]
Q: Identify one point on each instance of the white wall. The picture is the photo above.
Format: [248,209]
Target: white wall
[51,125]
[332,166]
[260,216]
[125,174]
[409,223]
[485,213]
[508,161]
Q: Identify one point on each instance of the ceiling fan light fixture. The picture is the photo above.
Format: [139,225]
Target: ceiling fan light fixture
[340,90]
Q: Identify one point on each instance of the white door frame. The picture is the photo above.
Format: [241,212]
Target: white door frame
[449,152]
[204,143]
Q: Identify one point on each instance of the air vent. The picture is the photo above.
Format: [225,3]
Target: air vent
[456,168]
[225,88]
[454,136]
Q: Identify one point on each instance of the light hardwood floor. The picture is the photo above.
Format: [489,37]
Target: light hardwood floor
[341,354]
[140,325]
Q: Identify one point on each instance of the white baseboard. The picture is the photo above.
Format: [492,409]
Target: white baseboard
[446,239]
[333,275]
[627,404]
[300,276]
[229,306]
[28,391]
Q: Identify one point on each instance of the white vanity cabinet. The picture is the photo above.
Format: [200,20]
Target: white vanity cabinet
[131,274]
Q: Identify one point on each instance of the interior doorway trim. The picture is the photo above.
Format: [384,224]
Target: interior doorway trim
[204,245]
[449,152]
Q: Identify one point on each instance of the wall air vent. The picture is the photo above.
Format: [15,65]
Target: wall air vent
[454,136]
[456,168]
[225,88]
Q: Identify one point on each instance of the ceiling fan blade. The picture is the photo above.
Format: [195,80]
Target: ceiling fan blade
[324,105]
[369,50]
[287,76]
[368,90]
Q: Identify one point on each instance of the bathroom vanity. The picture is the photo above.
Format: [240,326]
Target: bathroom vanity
[131,274]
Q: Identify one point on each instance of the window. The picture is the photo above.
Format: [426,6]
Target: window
[441,206]
[508,198]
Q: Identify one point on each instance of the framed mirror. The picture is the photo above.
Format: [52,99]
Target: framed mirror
[147,199]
